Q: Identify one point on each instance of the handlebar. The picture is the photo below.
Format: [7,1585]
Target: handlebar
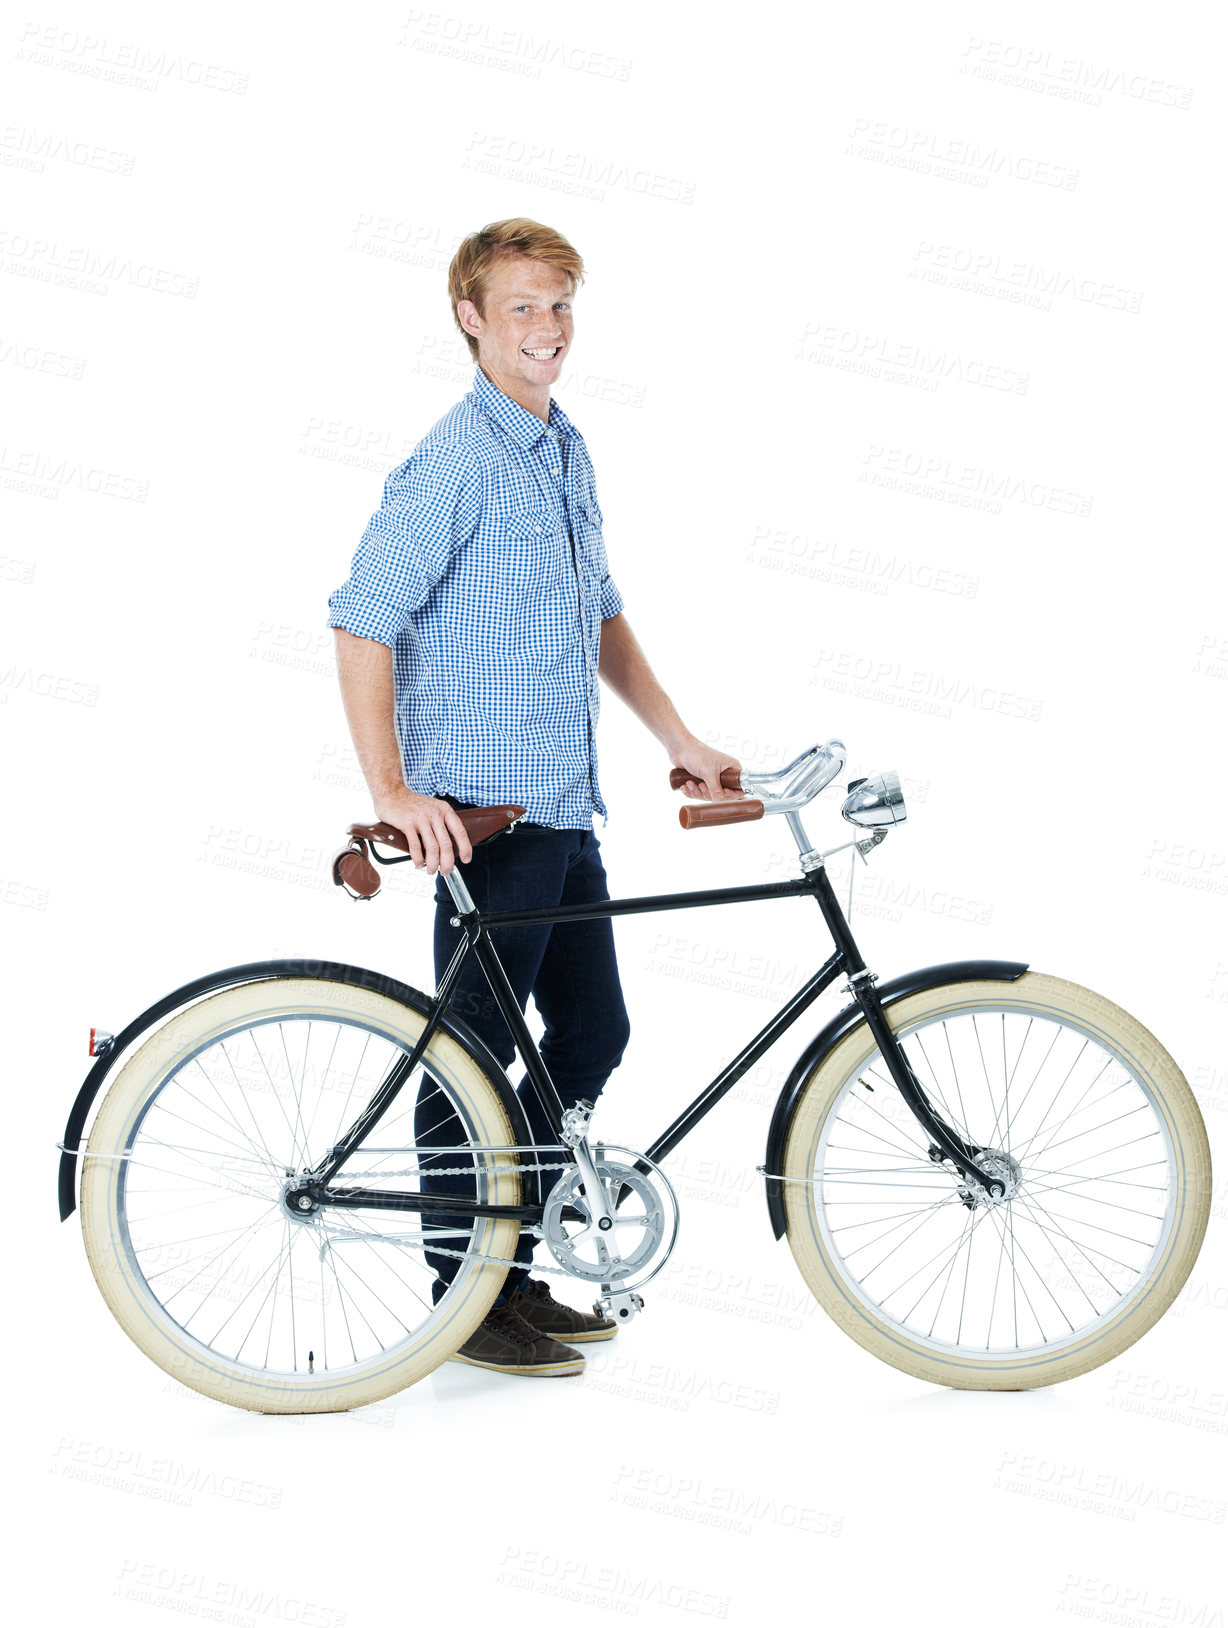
[780,791]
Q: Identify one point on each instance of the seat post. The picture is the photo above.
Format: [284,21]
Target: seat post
[460,893]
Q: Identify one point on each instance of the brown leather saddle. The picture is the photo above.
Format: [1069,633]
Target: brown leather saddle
[353,870]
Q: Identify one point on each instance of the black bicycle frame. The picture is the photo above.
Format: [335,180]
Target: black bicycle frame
[845,959]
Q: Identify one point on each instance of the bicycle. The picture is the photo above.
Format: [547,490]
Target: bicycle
[990,1177]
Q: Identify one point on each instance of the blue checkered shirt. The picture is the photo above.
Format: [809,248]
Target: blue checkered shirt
[485,571]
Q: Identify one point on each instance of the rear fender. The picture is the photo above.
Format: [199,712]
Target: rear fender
[252,972]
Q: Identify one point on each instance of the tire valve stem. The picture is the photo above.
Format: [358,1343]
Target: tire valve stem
[311,1362]
[867,1084]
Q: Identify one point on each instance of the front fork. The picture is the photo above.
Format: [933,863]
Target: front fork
[945,1143]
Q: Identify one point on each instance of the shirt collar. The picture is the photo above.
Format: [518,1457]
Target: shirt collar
[520,424]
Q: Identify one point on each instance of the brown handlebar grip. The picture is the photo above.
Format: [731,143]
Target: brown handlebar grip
[730,778]
[691,815]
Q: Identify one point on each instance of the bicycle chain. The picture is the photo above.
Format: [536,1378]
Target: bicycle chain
[464,1170]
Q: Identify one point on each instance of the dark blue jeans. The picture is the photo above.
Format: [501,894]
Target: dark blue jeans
[569,968]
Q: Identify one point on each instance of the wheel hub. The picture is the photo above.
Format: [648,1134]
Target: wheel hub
[297,1202]
[1002,1167]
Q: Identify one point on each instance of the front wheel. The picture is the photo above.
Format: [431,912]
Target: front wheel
[1099,1143]
[186,1212]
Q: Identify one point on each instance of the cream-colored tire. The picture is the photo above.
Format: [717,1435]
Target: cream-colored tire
[223,1055]
[1159,1181]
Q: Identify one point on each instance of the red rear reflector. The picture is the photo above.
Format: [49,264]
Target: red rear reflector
[93,1032]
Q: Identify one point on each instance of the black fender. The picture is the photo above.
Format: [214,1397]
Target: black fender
[895,989]
[253,972]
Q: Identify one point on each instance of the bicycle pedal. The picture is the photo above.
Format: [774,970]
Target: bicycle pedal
[621,1307]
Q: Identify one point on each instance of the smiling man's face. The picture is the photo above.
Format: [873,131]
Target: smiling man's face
[527,330]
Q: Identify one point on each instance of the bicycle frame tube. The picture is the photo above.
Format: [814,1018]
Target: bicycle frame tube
[846,959]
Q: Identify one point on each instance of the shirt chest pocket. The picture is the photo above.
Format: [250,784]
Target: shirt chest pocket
[591,559]
[590,540]
[526,549]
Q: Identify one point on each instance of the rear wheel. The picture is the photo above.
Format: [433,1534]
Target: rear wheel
[184,1211]
[1099,1143]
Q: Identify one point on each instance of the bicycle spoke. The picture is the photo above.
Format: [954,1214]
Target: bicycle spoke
[343,1116]
[1060,1231]
[355,1221]
[296,1091]
[937,1205]
[261,1154]
[243,1098]
[1017,1280]
[861,1131]
[891,1088]
[910,1239]
[918,1270]
[1143,1108]
[245,1233]
[963,1299]
[350,1267]
[1061,1087]
[1091,1198]
[961,1124]
[184,1120]
[276,1095]
[965,1237]
[1023,1100]
[877,1221]
[1034,1152]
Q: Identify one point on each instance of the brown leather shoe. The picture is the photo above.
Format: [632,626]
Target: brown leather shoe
[508,1344]
[538,1306]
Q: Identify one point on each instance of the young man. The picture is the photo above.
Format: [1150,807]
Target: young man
[478,615]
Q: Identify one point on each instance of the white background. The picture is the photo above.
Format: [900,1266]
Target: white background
[851,271]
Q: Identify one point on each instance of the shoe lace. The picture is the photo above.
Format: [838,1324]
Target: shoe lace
[507,1320]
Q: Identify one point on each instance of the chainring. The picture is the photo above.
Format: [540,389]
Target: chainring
[645,1215]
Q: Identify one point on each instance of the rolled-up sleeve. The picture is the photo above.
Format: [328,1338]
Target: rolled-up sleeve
[431,506]
[611,601]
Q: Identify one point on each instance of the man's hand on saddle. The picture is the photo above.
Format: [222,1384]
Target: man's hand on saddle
[706,765]
[433,829]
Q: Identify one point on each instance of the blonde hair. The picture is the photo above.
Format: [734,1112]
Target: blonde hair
[475,259]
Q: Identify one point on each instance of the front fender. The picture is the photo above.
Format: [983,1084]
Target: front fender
[908,983]
[252,972]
